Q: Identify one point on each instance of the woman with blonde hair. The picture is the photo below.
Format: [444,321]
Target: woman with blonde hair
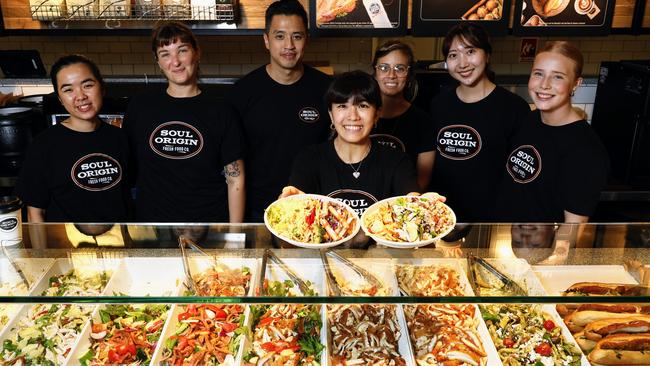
[558,166]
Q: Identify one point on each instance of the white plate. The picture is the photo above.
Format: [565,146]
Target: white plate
[556,279]
[305,269]
[459,265]
[394,244]
[314,245]
[136,277]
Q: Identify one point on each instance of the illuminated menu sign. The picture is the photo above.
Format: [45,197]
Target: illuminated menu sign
[563,17]
[435,17]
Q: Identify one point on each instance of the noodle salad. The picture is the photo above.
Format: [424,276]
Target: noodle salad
[310,220]
[46,334]
[223,281]
[207,334]
[526,335]
[126,334]
[441,334]
[210,334]
[285,334]
[408,219]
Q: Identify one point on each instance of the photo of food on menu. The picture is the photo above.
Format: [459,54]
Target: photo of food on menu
[537,13]
[461,9]
[358,13]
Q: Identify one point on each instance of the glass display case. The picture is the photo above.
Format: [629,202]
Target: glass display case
[510,294]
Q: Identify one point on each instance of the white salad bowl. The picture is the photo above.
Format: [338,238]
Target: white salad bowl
[403,244]
[355,222]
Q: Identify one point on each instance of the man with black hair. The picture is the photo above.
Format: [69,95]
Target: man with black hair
[281,106]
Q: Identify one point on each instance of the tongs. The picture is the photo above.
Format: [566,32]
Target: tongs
[360,271]
[16,268]
[269,255]
[508,284]
[182,243]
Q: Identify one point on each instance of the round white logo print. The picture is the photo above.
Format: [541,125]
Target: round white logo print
[309,115]
[524,164]
[458,142]
[9,224]
[176,140]
[96,172]
[359,201]
[389,140]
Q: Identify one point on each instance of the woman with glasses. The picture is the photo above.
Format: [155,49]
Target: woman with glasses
[402,125]
[475,121]
[352,167]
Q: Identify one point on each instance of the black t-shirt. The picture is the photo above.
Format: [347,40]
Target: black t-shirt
[384,173]
[181,146]
[473,140]
[76,176]
[552,169]
[411,132]
[278,121]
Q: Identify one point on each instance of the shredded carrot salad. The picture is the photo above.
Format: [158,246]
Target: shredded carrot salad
[207,334]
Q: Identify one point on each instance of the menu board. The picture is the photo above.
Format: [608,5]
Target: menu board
[563,17]
[435,17]
[358,17]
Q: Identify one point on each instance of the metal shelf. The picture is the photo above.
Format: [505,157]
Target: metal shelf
[123,11]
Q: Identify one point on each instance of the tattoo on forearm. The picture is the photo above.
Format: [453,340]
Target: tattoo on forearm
[232,170]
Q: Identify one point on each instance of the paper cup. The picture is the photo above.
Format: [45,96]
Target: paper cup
[11,230]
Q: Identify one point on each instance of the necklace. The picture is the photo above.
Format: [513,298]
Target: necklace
[356,172]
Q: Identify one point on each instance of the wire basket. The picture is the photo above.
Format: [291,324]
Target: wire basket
[122,10]
[47,10]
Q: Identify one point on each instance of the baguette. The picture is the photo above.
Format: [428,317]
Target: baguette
[597,330]
[622,349]
[588,313]
[586,345]
[603,289]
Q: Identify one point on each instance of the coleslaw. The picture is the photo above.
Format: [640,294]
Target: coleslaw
[310,220]
[409,219]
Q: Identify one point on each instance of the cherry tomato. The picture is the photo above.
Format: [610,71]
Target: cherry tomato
[310,218]
[266,321]
[113,356]
[124,349]
[228,327]
[544,349]
[279,346]
[218,313]
[549,325]
[183,316]
[182,342]
[508,342]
